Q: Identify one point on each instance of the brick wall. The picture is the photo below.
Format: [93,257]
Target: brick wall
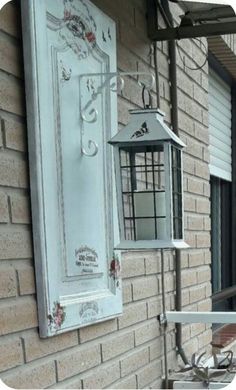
[126,352]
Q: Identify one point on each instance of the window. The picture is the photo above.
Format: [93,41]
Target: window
[222,187]
[221,211]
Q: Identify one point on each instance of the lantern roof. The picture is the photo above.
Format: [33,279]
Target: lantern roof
[146,126]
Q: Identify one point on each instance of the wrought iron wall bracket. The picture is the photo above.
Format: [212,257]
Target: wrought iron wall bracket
[88,112]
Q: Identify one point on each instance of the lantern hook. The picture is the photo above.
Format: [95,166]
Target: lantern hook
[149,105]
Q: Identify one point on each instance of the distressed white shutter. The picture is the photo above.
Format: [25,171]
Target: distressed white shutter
[220,127]
[73,195]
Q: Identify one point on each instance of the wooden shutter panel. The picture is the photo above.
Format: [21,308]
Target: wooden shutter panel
[75,225]
[220,127]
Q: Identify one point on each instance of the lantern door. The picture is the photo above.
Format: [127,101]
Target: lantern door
[145,185]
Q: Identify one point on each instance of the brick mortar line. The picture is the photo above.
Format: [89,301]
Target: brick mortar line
[11,116]
[14,154]
[11,191]
[192,98]
[7,75]
[23,349]
[194,119]
[142,58]
[201,179]
[13,38]
[15,228]
[196,213]
[27,366]
[54,356]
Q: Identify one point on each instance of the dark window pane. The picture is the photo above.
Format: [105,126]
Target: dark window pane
[127,205]
[177,193]
[161,228]
[144,204]
[145,229]
[129,229]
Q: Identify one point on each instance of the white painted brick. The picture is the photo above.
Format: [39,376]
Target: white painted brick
[152,264]
[126,292]
[37,376]
[9,20]
[207,223]
[201,133]
[15,135]
[149,331]
[197,293]
[18,315]
[10,56]
[195,223]
[36,348]
[145,287]
[205,338]
[11,95]
[156,348]
[117,344]
[196,259]
[135,360]
[77,360]
[20,209]
[127,383]
[207,257]
[204,274]
[97,330]
[149,374]
[15,245]
[205,305]
[189,278]
[13,171]
[74,383]
[4,212]
[132,265]
[203,240]
[8,284]
[196,329]
[26,278]
[154,307]
[202,170]
[190,238]
[102,376]
[169,282]
[133,313]
[11,353]
[195,186]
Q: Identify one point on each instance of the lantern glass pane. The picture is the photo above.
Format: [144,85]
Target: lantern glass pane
[143,191]
[177,193]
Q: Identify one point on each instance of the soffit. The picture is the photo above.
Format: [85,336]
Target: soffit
[223,52]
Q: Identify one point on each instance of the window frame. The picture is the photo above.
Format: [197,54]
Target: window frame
[231,291]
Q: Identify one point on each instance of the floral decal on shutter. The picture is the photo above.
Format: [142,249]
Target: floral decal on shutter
[115,269]
[57,317]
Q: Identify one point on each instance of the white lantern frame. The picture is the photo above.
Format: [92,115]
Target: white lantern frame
[155,133]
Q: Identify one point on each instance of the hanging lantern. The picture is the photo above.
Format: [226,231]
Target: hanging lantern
[148,164]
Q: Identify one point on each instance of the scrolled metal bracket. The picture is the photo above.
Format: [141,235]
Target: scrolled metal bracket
[162,319]
[91,144]
[89,114]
